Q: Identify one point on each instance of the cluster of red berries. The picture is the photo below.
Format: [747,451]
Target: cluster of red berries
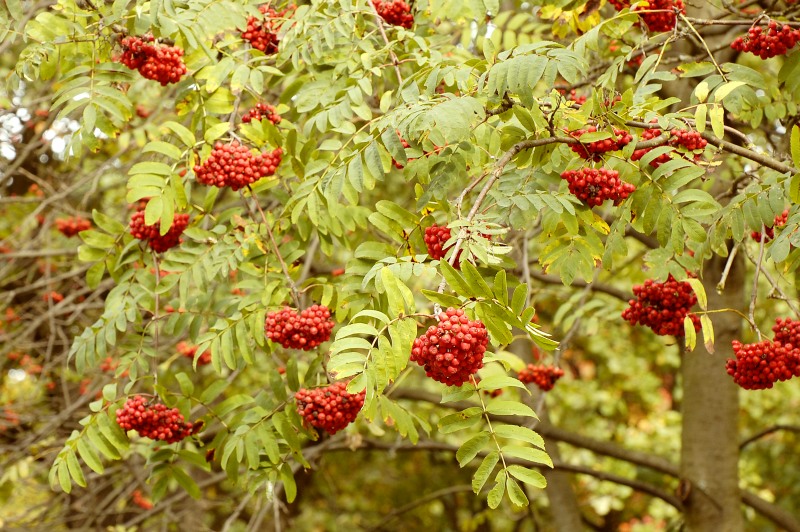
[189,351]
[769,232]
[435,238]
[593,150]
[395,12]
[452,350]
[572,96]
[649,134]
[141,501]
[690,140]
[758,366]
[154,421]
[662,19]
[263,34]
[594,186]
[304,330]
[545,377]
[53,296]
[787,331]
[152,233]
[73,225]
[260,112]
[154,61]
[662,306]
[777,40]
[235,165]
[330,408]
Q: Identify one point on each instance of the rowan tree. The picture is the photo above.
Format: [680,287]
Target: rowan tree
[537,246]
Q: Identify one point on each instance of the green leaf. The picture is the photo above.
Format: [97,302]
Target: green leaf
[496,493]
[699,291]
[516,493]
[495,382]
[476,282]
[500,287]
[691,334]
[708,333]
[89,457]
[795,144]
[460,420]
[185,481]
[510,408]
[519,433]
[528,476]
[537,456]
[63,477]
[455,280]
[470,448]
[289,485]
[75,469]
[484,471]
[717,116]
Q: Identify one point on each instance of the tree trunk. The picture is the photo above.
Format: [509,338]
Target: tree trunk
[566,515]
[710,408]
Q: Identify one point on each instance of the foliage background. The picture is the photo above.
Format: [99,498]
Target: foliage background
[475,78]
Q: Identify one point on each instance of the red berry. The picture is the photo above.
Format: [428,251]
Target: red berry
[594,150]
[305,330]
[260,112]
[234,165]
[189,351]
[544,377]
[758,366]
[661,15]
[769,232]
[263,34]
[331,408]
[154,61]
[662,306]
[151,233]
[395,12]
[154,421]
[776,40]
[73,225]
[594,186]
[452,350]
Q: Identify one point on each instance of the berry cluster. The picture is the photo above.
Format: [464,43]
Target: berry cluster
[787,331]
[305,330]
[154,421]
[189,351]
[452,350]
[330,408]
[141,501]
[236,166]
[151,233]
[73,225]
[594,186]
[395,12]
[691,140]
[53,296]
[663,17]
[260,112]
[572,96]
[154,61]
[544,377]
[759,366]
[263,34]
[769,232]
[435,237]
[593,150]
[777,40]
[662,306]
